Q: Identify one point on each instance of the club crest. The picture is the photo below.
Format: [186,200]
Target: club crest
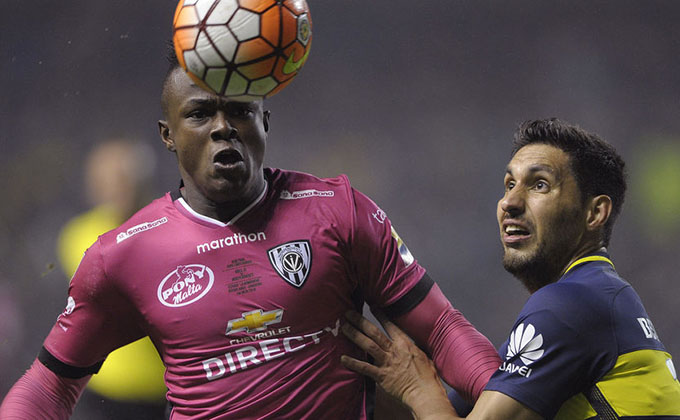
[293,261]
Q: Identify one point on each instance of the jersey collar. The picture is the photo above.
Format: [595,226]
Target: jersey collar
[177,198]
[600,256]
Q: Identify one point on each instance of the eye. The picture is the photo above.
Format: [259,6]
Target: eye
[240,109]
[541,185]
[509,185]
[198,114]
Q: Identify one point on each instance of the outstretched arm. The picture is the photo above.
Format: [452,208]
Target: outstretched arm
[406,373]
[42,394]
[464,357]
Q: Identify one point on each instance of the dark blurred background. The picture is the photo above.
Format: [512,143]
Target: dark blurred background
[416,101]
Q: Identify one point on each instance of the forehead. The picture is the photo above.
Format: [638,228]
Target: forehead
[540,157]
[181,90]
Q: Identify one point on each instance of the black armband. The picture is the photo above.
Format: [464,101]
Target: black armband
[62,369]
[411,299]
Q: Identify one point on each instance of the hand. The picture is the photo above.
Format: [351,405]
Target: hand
[401,368]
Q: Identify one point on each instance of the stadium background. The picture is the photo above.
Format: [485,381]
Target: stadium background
[415,101]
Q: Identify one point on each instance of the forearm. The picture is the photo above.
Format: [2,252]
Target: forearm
[464,358]
[42,394]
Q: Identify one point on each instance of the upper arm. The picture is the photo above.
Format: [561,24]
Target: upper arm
[380,261]
[97,318]
[493,405]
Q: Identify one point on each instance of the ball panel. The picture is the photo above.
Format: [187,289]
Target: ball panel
[245,25]
[258,70]
[262,86]
[254,49]
[208,54]
[214,78]
[297,7]
[199,82]
[222,12]
[271,25]
[223,40]
[194,63]
[237,85]
[203,7]
[186,17]
[185,39]
[258,6]
[279,88]
[289,32]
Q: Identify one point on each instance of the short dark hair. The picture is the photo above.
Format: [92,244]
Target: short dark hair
[597,167]
[173,64]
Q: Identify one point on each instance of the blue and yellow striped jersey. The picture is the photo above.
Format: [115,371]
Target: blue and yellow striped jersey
[585,348]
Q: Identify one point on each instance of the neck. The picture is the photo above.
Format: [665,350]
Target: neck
[586,250]
[223,210]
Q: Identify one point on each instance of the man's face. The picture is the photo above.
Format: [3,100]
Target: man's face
[541,216]
[220,144]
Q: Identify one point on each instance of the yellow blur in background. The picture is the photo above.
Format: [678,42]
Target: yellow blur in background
[115,176]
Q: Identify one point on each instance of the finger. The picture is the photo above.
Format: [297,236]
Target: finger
[359,366]
[364,342]
[369,329]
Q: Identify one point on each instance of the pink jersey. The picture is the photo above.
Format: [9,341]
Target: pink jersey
[245,315]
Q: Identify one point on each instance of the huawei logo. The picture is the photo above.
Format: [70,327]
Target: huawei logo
[525,344]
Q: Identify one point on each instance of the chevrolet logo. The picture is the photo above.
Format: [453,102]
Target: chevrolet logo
[254,321]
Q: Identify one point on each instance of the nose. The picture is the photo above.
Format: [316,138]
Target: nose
[513,201]
[222,129]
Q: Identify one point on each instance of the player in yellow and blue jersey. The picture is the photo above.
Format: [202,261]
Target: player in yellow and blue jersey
[583,346]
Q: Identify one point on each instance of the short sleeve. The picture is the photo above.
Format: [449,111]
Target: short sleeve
[96,320]
[552,355]
[383,264]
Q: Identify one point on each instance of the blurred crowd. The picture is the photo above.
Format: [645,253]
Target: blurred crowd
[417,105]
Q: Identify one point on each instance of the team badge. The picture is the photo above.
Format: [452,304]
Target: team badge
[292,261]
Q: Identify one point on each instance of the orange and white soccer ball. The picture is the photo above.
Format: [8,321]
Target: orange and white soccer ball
[242,49]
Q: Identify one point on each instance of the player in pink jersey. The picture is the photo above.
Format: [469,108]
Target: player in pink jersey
[241,278]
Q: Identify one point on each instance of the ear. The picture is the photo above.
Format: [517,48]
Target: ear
[265,120]
[164,131]
[598,212]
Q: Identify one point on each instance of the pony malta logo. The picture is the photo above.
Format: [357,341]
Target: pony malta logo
[185,285]
[525,345]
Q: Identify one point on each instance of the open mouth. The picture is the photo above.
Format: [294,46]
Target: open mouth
[228,157]
[513,234]
[515,230]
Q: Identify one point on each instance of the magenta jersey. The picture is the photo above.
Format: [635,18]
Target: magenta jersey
[245,314]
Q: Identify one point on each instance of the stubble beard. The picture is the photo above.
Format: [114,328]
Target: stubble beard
[547,261]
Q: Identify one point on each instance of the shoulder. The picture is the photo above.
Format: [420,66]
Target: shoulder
[304,184]
[151,216]
[583,301]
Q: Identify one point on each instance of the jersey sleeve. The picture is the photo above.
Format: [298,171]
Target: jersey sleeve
[383,265]
[554,351]
[96,321]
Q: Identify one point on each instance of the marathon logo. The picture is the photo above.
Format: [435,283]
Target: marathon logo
[235,239]
[143,227]
[295,195]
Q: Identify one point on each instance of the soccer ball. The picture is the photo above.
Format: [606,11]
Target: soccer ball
[242,49]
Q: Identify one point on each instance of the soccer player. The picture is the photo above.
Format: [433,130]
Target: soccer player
[241,278]
[583,346]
